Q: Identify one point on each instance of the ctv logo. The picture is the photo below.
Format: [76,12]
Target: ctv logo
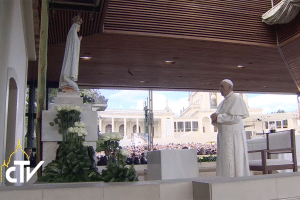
[22,164]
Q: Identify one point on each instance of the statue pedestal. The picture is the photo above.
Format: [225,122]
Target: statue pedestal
[50,135]
[172,164]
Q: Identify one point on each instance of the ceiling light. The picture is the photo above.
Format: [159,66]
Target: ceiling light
[169,62]
[241,66]
[142,81]
[264,86]
[86,58]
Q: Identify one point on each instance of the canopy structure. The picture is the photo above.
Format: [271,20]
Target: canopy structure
[175,45]
[282,13]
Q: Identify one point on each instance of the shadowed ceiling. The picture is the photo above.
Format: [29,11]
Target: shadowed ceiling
[129,42]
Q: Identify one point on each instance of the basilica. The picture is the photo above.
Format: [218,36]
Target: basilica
[192,125]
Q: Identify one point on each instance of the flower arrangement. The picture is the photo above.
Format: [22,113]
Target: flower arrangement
[111,136]
[77,133]
[116,167]
[108,142]
[117,171]
[74,162]
[66,117]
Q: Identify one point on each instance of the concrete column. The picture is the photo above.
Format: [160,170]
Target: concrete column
[298,98]
[137,125]
[100,125]
[125,129]
[200,125]
[163,128]
[173,128]
[112,124]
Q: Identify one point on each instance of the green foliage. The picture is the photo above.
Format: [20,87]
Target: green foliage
[207,158]
[108,146]
[92,96]
[52,92]
[66,117]
[74,163]
[117,171]
[109,142]
[88,96]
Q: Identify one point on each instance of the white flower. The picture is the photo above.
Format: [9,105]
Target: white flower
[113,136]
[119,137]
[83,131]
[80,131]
[71,130]
[85,143]
[76,108]
[105,136]
[80,124]
[124,152]
[68,108]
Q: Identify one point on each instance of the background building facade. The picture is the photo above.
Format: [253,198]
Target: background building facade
[193,124]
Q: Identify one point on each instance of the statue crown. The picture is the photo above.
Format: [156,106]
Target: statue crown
[77,19]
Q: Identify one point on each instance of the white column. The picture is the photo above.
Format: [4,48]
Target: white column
[163,127]
[173,128]
[200,125]
[112,124]
[125,128]
[137,125]
[100,125]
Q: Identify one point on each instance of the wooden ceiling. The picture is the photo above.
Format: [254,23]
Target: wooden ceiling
[205,40]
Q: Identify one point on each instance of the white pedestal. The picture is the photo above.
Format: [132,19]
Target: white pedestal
[172,164]
[49,152]
[89,117]
[50,135]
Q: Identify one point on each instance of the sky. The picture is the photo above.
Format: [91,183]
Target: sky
[135,100]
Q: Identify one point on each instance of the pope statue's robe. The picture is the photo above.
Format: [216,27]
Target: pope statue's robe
[232,157]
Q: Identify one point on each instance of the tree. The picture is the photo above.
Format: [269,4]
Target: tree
[280,111]
[92,96]
[52,92]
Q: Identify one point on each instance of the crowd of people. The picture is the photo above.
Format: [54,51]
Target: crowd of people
[138,154]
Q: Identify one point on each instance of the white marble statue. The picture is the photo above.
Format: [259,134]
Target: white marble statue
[69,72]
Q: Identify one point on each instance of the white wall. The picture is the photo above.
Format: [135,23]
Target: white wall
[13,64]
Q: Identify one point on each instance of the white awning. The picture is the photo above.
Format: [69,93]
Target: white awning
[284,12]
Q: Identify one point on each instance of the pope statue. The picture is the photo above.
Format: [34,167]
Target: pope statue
[232,156]
[69,72]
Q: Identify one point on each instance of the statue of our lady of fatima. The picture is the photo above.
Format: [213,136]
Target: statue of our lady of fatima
[69,71]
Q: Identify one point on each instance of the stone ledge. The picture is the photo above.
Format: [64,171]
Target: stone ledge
[264,187]
[273,186]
